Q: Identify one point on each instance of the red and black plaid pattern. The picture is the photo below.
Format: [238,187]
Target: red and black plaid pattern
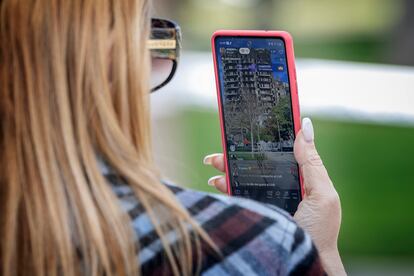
[253,238]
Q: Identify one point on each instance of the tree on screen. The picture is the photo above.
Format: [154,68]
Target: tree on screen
[250,112]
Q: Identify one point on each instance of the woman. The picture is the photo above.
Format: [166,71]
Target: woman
[79,191]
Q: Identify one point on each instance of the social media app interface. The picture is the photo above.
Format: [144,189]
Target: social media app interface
[258,120]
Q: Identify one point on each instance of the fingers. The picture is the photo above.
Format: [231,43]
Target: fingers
[216,160]
[315,176]
[219,182]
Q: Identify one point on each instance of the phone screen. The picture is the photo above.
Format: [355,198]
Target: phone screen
[258,120]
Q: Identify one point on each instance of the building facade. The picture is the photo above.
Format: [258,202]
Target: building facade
[248,76]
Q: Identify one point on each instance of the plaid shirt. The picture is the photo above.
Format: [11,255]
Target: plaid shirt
[254,239]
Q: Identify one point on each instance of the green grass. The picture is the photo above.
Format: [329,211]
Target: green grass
[372,167]
[369,48]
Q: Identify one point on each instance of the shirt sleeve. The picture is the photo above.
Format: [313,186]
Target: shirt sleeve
[253,238]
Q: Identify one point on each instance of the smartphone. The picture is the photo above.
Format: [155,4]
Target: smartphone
[259,115]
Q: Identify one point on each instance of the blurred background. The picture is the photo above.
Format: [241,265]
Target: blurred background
[355,67]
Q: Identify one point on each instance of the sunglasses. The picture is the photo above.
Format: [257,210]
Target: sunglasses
[164,45]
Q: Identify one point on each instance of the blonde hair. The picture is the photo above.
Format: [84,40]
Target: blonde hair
[73,84]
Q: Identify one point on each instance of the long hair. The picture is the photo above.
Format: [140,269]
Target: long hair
[73,89]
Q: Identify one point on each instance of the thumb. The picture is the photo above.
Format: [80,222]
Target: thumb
[315,176]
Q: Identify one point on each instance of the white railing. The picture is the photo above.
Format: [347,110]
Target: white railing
[350,90]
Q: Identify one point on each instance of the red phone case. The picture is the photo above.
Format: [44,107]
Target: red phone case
[292,83]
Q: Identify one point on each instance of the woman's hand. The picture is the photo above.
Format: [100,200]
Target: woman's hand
[319,213]
[217,161]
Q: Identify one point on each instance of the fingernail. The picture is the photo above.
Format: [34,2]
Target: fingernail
[212,180]
[307,129]
[208,160]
